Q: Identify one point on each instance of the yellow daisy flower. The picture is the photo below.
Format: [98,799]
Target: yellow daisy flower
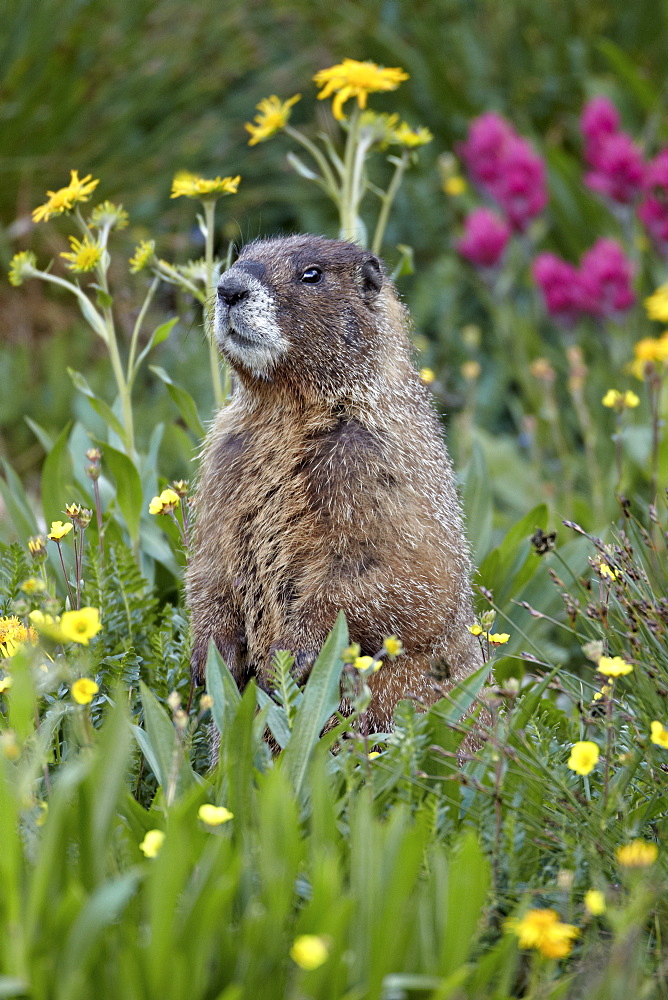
[659,735]
[541,929]
[22,266]
[309,951]
[214,815]
[637,854]
[13,633]
[363,662]
[656,305]
[165,503]
[614,399]
[273,116]
[190,185]
[152,842]
[355,79]
[613,666]
[584,757]
[412,137]
[143,255]
[454,186]
[392,646]
[108,214]
[84,690]
[84,256]
[80,626]
[66,198]
[58,530]
[594,902]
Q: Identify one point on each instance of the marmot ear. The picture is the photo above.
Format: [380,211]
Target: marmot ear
[372,279]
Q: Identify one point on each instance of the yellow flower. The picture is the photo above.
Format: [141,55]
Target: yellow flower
[37,548]
[58,530]
[476,630]
[85,255]
[214,815]
[412,137]
[23,265]
[584,757]
[5,684]
[498,638]
[355,79]
[657,304]
[613,666]
[659,735]
[373,754]
[84,690]
[541,929]
[13,633]
[350,653]
[611,573]
[309,951]
[167,502]
[649,350]
[427,375]
[363,662]
[637,854]
[143,255]
[65,198]
[33,585]
[152,843]
[190,185]
[109,215]
[80,626]
[594,902]
[471,370]
[614,399]
[454,186]
[392,646]
[273,116]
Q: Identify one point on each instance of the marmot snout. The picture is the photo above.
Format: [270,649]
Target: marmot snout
[324,483]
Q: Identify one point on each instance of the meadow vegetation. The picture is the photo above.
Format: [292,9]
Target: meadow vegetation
[419,863]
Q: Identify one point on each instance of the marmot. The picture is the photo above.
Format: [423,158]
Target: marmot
[325,484]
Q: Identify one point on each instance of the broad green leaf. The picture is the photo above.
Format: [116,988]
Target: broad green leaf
[167,757]
[58,481]
[477,502]
[321,699]
[42,436]
[101,408]
[129,494]
[222,687]
[468,883]
[457,702]
[17,503]
[160,334]
[185,404]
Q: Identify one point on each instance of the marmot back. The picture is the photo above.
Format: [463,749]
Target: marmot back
[325,484]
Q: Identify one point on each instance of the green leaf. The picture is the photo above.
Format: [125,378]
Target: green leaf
[627,70]
[457,702]
[101,408]
[184,402]
[160,334]
[58,482]
[162,742]
[406,262]
[222,687]
[321,699]
[129,495]
[17,503]
[468,882]
[477,501]
[42,436]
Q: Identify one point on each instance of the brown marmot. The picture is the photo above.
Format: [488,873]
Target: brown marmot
[325,484]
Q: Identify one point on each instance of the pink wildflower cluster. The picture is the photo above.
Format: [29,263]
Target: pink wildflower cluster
[619,174]
[505,167]
[600,287]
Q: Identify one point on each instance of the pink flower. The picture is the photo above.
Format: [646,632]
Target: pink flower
[618,169]
[600,119]
[653,212]
[521,188]
[608,273]
[485,238]
[484,148]
[567,296]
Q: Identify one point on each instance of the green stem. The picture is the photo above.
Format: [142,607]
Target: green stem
[137,327]
[328,177]
[387,201]
[347,207]
[220,391]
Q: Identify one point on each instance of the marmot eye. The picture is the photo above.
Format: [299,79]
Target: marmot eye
[311,276]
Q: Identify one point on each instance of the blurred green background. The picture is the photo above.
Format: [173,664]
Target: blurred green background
[132,92]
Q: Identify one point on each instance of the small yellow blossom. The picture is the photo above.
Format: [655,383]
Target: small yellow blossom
[657,304]
[363,662]
[613,666]
[33,585]
[427,375]
[37,548]
[659,735]
[84,690]
[167,502]
[13,633]
[392,646]
[373,754]
[649,351]
[350,653]
[273,115]
[352,78]
[190,185]
[85,255]
[454,186]
[594,902]
[584,757]
[471,370]
[498,638]
[108,215]
[23,265]
[214,815]
[152,843]
[80,626]
[476,630]
[412,137]
[143,255]
[614,399]
[608,571]
[5,684]
[637,854]
[66,198]
[58,530]
[541,929]
[309,951]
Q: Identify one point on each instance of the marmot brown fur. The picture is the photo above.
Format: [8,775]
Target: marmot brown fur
[325,484]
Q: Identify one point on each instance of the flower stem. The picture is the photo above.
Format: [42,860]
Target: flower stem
[348,204]
[388,200]
[67,582]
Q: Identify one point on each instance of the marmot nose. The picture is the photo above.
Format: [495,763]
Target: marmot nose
[232,288]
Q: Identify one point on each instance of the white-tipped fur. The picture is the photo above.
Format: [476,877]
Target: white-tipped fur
[248,332]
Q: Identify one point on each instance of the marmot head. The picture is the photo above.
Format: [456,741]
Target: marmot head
[315,314]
